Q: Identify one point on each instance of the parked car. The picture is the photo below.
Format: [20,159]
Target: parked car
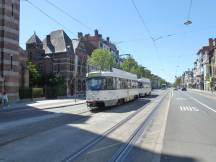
[184,89]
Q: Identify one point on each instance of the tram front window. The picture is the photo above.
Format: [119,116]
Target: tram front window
[95,84]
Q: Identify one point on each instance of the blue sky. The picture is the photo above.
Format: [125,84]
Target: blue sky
[119,20]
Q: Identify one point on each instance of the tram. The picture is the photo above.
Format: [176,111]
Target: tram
[109,88]
[144,87]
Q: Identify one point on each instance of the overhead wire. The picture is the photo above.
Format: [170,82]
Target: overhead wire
[189,10]
[47,15]
[69,15]
[142,20]
[146,27]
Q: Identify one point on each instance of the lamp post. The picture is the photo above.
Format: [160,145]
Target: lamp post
[121,60]
[188,21]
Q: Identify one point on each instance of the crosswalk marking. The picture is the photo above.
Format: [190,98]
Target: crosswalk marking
[188,108]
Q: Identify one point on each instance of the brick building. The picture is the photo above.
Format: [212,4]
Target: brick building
[22,68]
[58,54]
[98,41]
[9,47]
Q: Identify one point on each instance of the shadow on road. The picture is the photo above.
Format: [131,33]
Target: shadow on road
[60,138]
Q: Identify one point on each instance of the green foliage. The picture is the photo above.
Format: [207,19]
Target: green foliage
[130,65]
[25,93]
[101,58]
[177,81]
[56,86]
[35,78]
[37,92]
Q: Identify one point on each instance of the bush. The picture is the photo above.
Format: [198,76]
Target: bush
[25,93]
[56,86]
[37,92]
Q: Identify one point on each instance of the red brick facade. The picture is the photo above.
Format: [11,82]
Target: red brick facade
[9,48]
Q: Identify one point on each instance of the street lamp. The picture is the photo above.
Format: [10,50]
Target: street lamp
[127,54]
[188,21]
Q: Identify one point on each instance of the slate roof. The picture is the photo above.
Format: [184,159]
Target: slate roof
[34,39]
[59,42]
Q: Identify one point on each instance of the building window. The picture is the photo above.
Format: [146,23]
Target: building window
[11,63]
[58,70]
[12,10]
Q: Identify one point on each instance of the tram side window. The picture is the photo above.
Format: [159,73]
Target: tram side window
[123,83]
[134,84]
[115,83]
[129,84]
[118,83]
[109,84]
[140,84]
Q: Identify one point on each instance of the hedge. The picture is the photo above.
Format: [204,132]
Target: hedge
[26,93]
[37,92]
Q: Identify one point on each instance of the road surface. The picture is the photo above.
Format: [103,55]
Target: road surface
[168,126]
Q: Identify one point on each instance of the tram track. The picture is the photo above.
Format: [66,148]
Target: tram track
[132,138]
[38,130]
[124,150]
[55,122]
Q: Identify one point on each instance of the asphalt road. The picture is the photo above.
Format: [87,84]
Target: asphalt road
[169,126]
[57,134]
[191,130]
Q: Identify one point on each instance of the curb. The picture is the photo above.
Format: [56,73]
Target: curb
[30,108]
[204,92]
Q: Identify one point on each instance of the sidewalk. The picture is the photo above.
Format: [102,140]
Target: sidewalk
[45,104]
[204,92]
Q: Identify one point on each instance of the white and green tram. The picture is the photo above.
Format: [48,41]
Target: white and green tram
[144,87]
[109,88]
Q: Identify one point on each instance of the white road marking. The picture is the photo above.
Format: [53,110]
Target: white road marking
[179,98]
[206,106]
[188,108]
[172,93]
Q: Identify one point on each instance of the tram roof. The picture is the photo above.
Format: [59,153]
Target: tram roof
[114,73]
[144,80]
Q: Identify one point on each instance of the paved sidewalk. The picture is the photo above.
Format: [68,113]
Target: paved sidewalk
[45,104]
[204,92]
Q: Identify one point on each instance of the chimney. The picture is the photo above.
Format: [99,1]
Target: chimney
[215,42]
[80,34]
[108,39]
[210,42]
[96,32]
[48,39]
[87,35]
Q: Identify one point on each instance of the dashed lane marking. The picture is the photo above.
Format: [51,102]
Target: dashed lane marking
[206,106]
[181,99]
[188,108]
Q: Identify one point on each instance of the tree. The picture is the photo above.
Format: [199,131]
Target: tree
[130,65]
[177,81]
[35,78]
[101,58]
[56,86]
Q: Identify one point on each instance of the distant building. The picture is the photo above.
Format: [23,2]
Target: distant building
[99,42]
[9,48]
[206,61]
[187,79]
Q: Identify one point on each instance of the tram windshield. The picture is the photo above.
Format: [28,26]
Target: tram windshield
[95,83]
